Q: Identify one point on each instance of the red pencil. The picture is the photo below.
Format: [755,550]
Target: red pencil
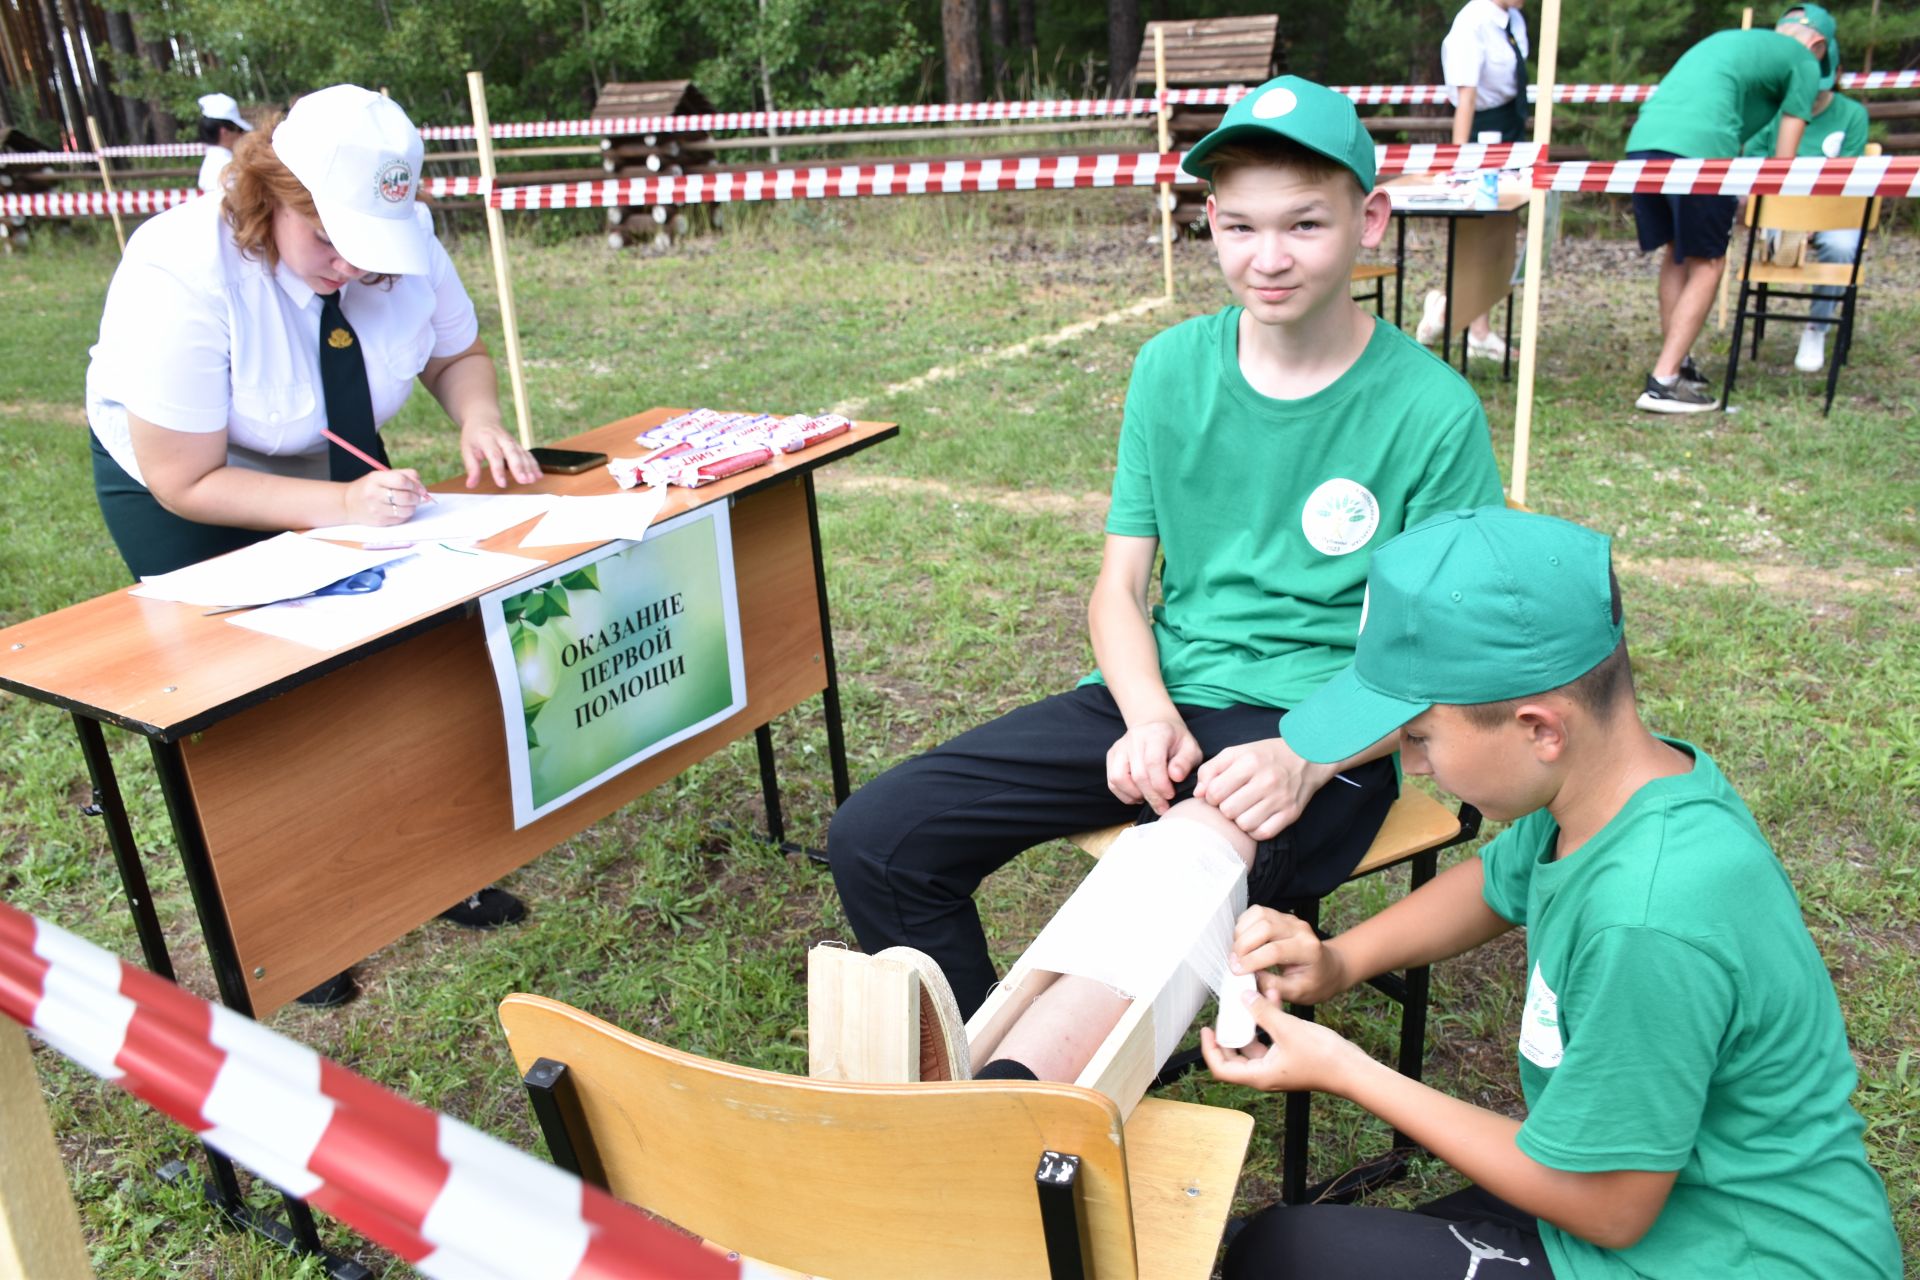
[361,454]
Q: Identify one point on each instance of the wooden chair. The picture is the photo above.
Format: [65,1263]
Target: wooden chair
[1003,1179]
[1762,282]
[1416,829]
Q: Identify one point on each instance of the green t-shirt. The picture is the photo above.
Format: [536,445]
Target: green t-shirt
[1840,130]
[1724,90]
[1267,509]
[1678,1016]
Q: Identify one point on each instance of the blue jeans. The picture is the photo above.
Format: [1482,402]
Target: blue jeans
[1831,246]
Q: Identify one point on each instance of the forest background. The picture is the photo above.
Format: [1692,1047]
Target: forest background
[137,65]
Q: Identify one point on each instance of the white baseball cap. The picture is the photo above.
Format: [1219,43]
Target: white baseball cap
[358,156]
[221,106]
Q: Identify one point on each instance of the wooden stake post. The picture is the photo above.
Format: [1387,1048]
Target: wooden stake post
[106,180]
[39,1228]
[1720,315]
[1166,142]
[497,238]
[1536,245]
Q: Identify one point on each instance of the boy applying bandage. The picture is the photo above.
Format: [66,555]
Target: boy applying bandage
[1265,451]
[1682,1054]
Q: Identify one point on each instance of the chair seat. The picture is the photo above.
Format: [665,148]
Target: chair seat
[1183,1164]
[1416,823]
[1811,273]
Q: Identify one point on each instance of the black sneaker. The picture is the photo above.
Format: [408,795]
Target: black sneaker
[1681,397]
[488,909]
[336,990]
[1690,372]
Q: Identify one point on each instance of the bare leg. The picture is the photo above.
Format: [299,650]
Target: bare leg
[1672,276]
[1480,330]
[1689,314]
[1057,1035]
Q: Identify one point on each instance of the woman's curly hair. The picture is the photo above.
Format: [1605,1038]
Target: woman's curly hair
[257,184]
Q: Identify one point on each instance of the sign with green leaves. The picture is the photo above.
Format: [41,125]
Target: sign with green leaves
[614,656]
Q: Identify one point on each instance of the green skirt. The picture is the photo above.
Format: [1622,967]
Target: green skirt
[151,538]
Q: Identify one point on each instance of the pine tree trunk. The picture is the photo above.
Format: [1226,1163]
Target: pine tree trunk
[159,56]
[126,49]
[1024,17]
[960,27]
[997,37]
[1123,45]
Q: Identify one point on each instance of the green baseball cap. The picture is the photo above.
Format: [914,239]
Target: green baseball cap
[1469,606]
[1817,17]
[1304,112]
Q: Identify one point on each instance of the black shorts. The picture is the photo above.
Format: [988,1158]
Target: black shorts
[1696,226]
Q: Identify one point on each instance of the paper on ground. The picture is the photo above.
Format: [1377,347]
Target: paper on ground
[418,583]
[602,518]
[450,516]
[275,569]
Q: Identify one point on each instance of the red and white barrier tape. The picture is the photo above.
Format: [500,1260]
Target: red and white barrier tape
[74,204]
[822,117]
[1861,176]
[90,157]
[803,182]
[445,1197]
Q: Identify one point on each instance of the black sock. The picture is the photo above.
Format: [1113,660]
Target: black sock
[1005,1069]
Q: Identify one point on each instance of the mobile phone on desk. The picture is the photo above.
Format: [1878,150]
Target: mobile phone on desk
[567,462]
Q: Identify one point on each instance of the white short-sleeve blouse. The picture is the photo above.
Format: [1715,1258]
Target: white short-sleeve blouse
[1476,55]
[196,337]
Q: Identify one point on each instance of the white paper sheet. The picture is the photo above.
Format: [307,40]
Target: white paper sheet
[418,583]
[275,569]
[449,517]
[602,518]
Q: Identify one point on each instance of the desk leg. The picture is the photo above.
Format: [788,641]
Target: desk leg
[769,784]
[126,854]
[1400,272]
[830,697]
[1446,339]
[200,879]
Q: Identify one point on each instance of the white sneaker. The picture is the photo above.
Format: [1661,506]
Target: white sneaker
[1433,318]
[1812,356]
[1491,347]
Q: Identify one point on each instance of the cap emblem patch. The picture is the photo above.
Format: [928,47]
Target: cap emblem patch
[395,182]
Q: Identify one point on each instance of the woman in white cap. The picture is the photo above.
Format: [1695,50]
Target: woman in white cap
[221,128]
[308,297]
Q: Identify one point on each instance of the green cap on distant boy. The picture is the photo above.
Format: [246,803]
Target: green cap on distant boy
[1301,111]
[1817,17]
[1466,607]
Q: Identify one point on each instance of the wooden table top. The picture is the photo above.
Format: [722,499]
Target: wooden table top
[163,669]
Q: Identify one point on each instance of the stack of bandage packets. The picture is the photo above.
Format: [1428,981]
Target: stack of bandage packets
[704,445]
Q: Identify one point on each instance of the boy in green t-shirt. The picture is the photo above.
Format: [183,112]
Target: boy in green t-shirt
[1264,451]
[1718,95]
[1682,1054]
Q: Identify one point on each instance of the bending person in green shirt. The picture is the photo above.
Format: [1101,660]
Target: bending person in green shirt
[1681,1050]
[1720,93]
[1838,128]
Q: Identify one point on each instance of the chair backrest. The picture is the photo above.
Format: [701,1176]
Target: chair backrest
[1814,213]
[835,1179]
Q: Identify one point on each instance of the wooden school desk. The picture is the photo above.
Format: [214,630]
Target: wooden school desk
[324,804]
[1479,263]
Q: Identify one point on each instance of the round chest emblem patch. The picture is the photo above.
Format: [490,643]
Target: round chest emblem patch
[1274,103]
[1831,144]
[1340,516]
[394,182]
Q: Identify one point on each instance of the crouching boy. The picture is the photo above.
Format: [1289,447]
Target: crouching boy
[1681,1050]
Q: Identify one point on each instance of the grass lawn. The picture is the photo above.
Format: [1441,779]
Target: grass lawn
[1768,558]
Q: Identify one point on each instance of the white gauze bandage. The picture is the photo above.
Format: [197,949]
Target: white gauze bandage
[1154,921]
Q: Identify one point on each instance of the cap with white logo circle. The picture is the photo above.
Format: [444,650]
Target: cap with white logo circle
[358,156]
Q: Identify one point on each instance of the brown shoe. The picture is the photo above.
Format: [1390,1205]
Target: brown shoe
[943,1032]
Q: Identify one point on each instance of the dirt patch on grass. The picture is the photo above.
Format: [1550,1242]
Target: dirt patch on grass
[1791,581]
[44,411]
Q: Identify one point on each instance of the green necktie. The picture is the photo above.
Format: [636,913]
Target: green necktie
[343,386]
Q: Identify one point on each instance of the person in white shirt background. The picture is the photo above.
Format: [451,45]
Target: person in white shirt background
[1484,61]
[221,128]
[308,295]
